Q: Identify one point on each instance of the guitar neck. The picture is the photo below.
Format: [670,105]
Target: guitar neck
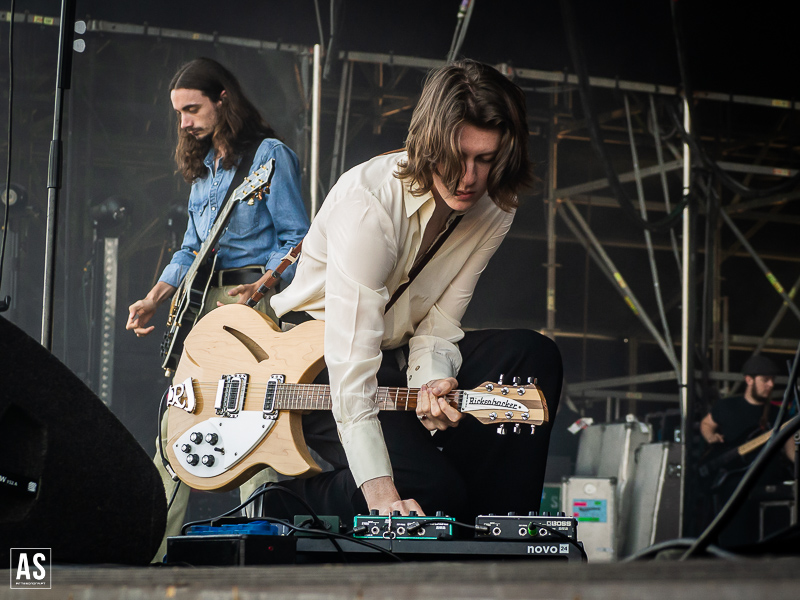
[211,240]
[755,443]
[301,396]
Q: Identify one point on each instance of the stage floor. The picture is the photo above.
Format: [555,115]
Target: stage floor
[765,577]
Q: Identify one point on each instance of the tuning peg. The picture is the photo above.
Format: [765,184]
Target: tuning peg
[501,430]
[533,429]
[515,381]
[517,428]
[500,379]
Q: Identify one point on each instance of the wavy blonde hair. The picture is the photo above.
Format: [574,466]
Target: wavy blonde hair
[468,93]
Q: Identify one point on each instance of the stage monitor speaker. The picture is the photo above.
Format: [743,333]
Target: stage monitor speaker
[72,477]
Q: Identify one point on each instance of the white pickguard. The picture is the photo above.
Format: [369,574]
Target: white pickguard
[236,438]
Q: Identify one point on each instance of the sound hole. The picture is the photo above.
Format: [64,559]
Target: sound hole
[257,351]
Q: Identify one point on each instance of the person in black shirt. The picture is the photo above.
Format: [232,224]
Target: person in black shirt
[735,421]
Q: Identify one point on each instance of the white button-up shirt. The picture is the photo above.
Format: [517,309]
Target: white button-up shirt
[358,251]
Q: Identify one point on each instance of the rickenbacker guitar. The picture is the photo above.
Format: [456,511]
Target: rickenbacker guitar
[241,387]
[727,462]
[188,300]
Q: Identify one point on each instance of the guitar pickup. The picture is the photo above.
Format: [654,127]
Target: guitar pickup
[182,396]
[269,410]
[230,394]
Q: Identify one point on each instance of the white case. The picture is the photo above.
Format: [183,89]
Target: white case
[592,500]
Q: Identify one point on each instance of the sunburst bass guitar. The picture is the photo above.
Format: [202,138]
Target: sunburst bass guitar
[242,385]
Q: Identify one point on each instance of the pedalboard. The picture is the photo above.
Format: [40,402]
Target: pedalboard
[530,527]
[396,526]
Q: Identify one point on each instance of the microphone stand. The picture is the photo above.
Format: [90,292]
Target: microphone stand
[63,72]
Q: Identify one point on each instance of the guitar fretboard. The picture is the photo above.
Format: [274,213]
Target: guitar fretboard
[301,396]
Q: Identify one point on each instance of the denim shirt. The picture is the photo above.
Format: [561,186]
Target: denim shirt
[261,234]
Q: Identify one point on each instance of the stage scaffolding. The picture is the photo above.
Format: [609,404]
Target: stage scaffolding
[374,90]
[388,101]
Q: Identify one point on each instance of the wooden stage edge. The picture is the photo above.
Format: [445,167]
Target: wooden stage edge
[705,579]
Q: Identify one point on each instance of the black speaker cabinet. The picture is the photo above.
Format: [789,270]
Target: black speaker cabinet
[72,477]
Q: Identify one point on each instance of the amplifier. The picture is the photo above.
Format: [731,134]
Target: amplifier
[531,527]
[396,526]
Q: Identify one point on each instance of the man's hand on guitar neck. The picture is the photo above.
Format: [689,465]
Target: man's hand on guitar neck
[381,494]
[246,291]
[433,410]
[141,311]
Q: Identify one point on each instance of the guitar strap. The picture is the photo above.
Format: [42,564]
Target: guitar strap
[415,270]
[275,276]
[242,171]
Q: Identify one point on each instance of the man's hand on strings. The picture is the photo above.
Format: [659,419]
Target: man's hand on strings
[433,410]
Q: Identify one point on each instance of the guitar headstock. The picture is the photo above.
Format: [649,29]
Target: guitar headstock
[506,404]
[256,184]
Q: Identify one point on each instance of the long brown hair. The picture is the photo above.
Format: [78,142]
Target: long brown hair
[239,124]
[461,93]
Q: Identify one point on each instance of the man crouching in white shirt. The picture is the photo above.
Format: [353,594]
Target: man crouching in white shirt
[451,193]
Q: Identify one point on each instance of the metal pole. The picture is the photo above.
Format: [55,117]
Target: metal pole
[64,69]
[552,207]
[340,134]
[315,112]
[686,320]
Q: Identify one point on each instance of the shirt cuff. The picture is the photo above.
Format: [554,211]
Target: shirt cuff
[173,274]
[366,450]
[431,358]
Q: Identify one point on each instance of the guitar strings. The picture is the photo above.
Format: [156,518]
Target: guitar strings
[297,395]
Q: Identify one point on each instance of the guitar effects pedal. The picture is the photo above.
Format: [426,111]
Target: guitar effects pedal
[532,526]
[396,526]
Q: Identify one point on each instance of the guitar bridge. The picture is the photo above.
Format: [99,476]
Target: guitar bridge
[230,394]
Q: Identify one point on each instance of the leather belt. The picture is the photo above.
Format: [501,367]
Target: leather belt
[239,276]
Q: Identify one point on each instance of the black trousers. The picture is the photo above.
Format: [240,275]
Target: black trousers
[464,471]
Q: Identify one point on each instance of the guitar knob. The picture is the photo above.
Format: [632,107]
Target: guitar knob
[208,460]
[501,430]
[196,437]
[395,513]
[212,438]
[412,513]
[374,512]
[439,513]
[192,459]
[186,448]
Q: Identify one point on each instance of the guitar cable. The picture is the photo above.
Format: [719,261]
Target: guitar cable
[272,487]
[164,460]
